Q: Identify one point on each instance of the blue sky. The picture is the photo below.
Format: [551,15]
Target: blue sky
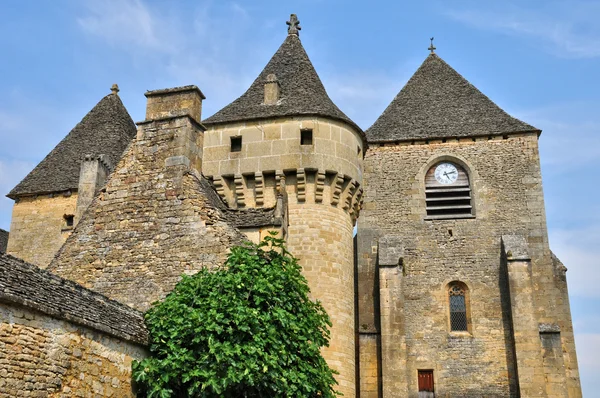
[538,60]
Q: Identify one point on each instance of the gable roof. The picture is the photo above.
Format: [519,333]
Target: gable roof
[3,240]
[27,285]
[437,102]
[302,92]
[107,129]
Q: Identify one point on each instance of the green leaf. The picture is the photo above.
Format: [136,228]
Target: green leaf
[248,327]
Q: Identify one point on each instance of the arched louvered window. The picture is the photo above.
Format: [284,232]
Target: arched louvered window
[457,299]
[448,191]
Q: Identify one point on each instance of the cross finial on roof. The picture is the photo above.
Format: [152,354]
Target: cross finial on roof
[115,88]
[431,47]
[293,25]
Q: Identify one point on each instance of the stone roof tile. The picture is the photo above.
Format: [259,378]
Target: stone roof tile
[107,129]
[437,102]
[302,92]
[3,240]
[26,285]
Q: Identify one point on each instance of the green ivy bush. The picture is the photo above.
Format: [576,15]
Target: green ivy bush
[247,329]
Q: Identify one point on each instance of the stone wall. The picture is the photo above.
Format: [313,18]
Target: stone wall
[322,181]
[41,356]
[272,147]
[156,220]
[507,195]
[38,227]
[58,339]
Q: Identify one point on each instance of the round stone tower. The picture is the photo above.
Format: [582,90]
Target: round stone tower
[285,133]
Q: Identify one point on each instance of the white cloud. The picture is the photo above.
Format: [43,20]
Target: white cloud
[127,23]
[200,47]
[567,29]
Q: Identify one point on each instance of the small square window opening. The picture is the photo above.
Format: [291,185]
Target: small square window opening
[69,219]
[236,144]
[306,137]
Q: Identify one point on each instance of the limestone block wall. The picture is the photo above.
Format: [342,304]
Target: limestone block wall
[271,147]
[155,221]
[507,195]
[41,356]
[38,227]
[322,180]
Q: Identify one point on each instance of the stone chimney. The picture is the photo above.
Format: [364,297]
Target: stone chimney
[173,102]
[272,90]
[173,128]
[92,175]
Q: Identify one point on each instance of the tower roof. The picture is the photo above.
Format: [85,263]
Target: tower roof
[3,240]
[437,102]
[107,129]
[302,92]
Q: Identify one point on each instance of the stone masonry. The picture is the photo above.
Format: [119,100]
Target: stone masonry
[58,339]
[508,199]
[448,289]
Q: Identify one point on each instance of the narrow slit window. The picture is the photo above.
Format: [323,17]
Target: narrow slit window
[448,192]
[306,137]
[236,144]
[458,308]
[69,219]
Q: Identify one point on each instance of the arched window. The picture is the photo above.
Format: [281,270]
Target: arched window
[448,191]
[457,300]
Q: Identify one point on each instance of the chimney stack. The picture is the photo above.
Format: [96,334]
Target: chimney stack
[271,90]
[92,175]
[173,102]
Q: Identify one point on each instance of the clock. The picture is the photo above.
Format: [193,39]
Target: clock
[446,173]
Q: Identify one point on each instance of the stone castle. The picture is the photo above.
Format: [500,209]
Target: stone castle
[448,289]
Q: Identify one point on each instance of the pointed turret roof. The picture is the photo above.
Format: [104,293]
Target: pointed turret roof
[302,92]
[107,129]
[437,102]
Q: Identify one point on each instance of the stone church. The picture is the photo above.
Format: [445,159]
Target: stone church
[448,289]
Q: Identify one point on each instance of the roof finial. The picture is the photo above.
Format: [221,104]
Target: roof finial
[431,47]
[115,89]
[293,25]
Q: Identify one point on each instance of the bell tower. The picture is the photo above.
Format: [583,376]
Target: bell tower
[459,292]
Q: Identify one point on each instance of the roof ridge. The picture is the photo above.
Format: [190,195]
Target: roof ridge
[438,102]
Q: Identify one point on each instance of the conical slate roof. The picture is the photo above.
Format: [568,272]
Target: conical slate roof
[107,129]
[437,102]
[302,92]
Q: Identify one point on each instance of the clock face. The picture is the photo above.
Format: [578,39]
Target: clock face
[446,173]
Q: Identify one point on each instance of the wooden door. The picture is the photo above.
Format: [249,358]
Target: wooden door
[426,384]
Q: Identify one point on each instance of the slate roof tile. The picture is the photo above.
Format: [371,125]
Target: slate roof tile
[3,240]
[437,102]
[25,284]
[302,92]
[107,129]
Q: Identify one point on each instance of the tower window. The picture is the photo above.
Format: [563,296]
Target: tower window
[69,219]
[236,144]
[448,192]
[306,137]
[457,293]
